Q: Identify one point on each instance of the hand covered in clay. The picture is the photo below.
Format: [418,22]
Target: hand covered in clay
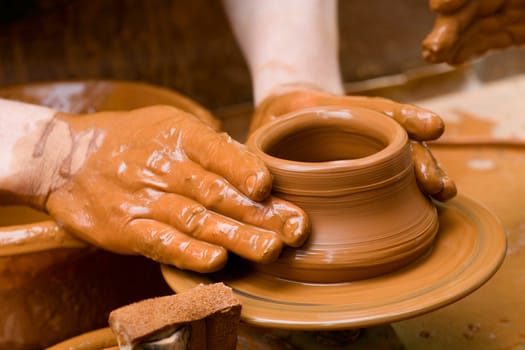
[468,28]
[159,182]
[421,125]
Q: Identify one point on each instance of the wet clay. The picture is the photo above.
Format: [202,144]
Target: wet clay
[179,198]
[351,170]
[39,288]
[420,124]
[469,248]
[100,339]
[432,180]
[46,235]
[465,29]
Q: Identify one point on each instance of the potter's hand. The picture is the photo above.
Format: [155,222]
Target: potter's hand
[421,125]
[468,28]
[158,182]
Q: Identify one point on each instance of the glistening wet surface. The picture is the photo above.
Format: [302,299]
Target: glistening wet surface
[494,174]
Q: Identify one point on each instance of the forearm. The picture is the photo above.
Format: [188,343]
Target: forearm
[20,128]
[35,147]
[288,42]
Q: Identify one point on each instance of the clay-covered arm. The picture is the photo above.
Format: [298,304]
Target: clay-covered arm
[288,42]
[26,173]
[465,29]
[155,181]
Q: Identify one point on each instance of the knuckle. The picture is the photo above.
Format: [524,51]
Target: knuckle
[212,191]
[192,217]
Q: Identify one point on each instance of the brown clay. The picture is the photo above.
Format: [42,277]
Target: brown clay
[430,176]
[350,169]
[182,198]
[469,248]
[277,222]
[468,28]
[42,279]
[420,124]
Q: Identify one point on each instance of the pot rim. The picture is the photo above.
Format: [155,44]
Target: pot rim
[385,128]
[337,177]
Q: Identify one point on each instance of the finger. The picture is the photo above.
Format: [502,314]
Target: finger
[420,124]
[431,177]
[475,48]
[222,155]
[449,190]
[449,40]
[427,172]
[477,32]
[193,219]
[446,6]
[215,193]
[167,245]
[447,31]
[441,38]
[287,219]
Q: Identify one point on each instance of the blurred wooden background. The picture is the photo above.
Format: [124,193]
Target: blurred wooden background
[188,45]
[185,45]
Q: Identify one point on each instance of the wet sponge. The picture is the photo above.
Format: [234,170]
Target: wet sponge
[211,313]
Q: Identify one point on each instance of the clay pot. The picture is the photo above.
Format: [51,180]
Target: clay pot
[350,169]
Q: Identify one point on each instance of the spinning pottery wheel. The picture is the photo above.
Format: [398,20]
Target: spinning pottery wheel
[465,252]
[468,250]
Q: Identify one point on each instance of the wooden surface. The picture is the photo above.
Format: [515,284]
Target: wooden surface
[185,45]
[483,150]
[493,317]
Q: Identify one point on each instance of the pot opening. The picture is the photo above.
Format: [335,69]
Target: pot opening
[323,144]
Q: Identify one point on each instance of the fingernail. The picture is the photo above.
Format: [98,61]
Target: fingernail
[255,189]
[250,183]
[271,250]
[296,230]
[212,260]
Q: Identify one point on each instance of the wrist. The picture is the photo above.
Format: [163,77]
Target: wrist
[273,45]
[41,151]
[21,127]
[276,80]
[290,88]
